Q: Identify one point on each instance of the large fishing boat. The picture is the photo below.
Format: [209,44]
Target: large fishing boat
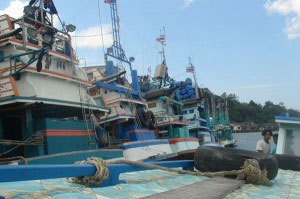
[45,107]
[130,124]
[194,108]
[220,121]
[161,98]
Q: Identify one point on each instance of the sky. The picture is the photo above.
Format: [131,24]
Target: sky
[250,47]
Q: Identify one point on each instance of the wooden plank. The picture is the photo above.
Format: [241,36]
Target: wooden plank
[214,188]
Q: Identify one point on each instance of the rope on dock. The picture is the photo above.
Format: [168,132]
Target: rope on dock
[3,160]
[250,171]
[101,173]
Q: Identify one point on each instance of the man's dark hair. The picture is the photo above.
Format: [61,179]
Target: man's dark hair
[265,131]
[275,135]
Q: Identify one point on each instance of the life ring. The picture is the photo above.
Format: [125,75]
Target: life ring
[153,122]
[214,159]
[143,117]
[288,162]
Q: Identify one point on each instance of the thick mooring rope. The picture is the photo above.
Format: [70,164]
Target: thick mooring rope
[250,171]
[101,172]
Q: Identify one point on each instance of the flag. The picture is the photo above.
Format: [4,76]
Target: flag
[48,4]
[161,39]
[190,69]
[109,1]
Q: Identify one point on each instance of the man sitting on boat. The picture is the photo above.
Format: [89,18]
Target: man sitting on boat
[263,145]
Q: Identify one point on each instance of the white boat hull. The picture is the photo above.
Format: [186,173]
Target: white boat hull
[140,150]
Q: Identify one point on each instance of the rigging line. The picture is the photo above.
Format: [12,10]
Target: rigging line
[189,38]
[86,47]
[179,75]
[84,7]
[108,33]
[101,29]
[74,31]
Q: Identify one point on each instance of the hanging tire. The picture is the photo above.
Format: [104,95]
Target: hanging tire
[214,159]
[152,120]
[288,162]
[143,117]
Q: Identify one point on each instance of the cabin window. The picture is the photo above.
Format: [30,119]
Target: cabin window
[191,111]
[59,46]
[90,76]
[47,66]
[184,112]
[19,37]
[105,91]
[64,66]
[121,106]
[1,56]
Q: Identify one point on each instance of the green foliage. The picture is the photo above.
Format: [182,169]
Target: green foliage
[251,112]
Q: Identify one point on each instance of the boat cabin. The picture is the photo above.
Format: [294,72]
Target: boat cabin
[289,135]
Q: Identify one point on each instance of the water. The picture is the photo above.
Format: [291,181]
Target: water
[248,140]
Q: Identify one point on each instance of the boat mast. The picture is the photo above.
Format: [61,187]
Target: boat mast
[116,51]
[195,78]
[163,36]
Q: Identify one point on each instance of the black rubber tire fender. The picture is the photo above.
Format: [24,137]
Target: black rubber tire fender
[288,162]
[143,117]
[214,159]
[152,120]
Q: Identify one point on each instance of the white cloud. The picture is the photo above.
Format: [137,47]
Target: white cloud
[91,37]
[187,3]
[15,8]
[291,10]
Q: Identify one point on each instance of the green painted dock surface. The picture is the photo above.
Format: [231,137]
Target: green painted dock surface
[146,183]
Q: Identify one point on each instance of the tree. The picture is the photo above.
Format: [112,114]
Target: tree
[252,111]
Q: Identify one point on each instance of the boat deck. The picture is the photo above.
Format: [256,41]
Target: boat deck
[146,183]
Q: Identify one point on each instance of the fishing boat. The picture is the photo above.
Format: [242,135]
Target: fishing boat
[128,125]
[287,149]
[220,121]
[288,135]
[194,108]
[45,107]
[160,94]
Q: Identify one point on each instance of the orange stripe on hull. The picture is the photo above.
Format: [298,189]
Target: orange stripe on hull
[175,141]
[67,132]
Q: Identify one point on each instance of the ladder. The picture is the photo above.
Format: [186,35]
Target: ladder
[87,114]
[137,120]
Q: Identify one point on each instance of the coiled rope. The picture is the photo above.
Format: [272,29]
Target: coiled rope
[250,171]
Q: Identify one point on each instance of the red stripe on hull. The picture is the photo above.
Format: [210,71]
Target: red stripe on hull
[175,141]
[67,132]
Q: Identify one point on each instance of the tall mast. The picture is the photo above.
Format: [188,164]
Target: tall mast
[195,78]
[163,46]
[162,77]
[116,51]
